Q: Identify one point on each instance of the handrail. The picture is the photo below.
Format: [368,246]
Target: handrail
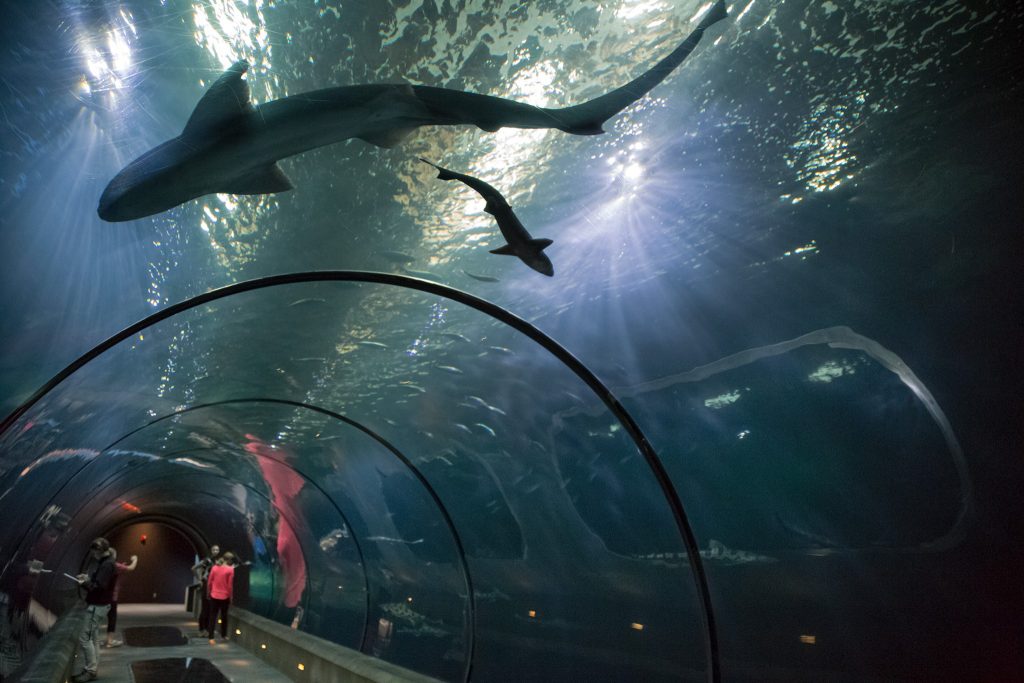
[54,656]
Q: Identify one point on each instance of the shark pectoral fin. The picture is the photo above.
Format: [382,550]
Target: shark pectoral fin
[495,206]
[504,251]
[540,244]
[394,115]
[261,181]
[226,100]
[387,138]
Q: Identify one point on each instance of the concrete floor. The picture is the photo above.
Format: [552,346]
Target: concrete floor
[233,661]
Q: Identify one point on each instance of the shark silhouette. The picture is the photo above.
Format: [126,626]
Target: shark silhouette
[518,241]
[231,146]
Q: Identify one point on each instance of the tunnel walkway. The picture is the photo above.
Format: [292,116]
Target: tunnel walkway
[233,661]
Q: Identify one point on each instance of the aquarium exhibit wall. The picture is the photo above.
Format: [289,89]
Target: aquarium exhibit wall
[761,423]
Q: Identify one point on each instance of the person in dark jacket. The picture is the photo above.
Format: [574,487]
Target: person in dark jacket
[201,570]
[98,581]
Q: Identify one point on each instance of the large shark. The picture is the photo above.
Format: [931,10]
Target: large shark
[518,242]
[231,146]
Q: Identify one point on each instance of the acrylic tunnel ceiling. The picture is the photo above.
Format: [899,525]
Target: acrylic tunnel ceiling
[755,426]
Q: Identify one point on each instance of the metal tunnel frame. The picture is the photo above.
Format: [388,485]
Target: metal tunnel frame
[495,311]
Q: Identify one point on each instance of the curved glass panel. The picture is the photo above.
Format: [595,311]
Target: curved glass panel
[509,468]
[809,454]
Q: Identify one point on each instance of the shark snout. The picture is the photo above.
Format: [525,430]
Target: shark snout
[110,208]
[106,208]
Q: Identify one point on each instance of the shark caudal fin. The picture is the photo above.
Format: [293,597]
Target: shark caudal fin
[533,255]
[589,117]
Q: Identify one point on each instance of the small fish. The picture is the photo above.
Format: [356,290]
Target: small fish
[388,539]
[304,302]
[396,256]
[484,427]
[450,369]
[371,344]
[457,337]
[462,427]
[574,397]
[481,278]
[502,349]
[422,274]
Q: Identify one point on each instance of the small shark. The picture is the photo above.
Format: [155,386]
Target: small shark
[230,146]
[518,241]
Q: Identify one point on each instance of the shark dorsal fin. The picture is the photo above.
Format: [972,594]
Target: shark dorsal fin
[226,100]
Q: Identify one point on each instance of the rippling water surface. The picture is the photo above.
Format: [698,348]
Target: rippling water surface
[796,262]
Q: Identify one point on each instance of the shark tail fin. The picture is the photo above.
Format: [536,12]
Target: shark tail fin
[588,118]
[540,244]
[504,251]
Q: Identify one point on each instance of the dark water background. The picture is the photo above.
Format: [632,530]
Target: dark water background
[797,263]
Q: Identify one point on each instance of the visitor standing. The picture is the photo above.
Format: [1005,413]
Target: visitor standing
[220,586]
[119,569]
[98,581]
[201,571]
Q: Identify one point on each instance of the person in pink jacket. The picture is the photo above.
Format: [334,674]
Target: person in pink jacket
[219,586]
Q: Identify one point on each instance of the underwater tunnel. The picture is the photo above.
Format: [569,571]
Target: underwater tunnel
[457,533]
[425,537]
[762,422]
